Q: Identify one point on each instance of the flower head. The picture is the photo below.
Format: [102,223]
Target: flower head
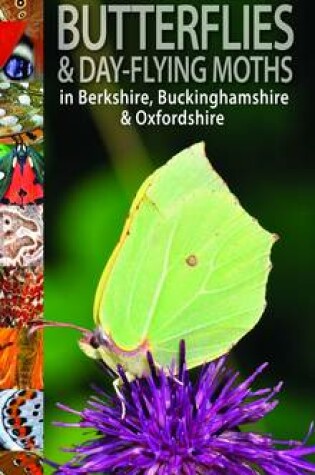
[174,426]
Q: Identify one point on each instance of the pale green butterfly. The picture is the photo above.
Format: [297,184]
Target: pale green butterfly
[190,265]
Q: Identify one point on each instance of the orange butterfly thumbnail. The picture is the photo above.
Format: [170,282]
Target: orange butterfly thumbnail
[21,359]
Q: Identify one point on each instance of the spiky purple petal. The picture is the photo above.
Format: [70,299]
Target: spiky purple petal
[176,427]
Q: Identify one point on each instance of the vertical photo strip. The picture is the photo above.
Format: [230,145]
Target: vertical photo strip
[21,236]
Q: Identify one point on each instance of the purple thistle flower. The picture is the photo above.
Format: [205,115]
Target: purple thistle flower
[176,427]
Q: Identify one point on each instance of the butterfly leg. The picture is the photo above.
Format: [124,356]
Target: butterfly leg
[117,385]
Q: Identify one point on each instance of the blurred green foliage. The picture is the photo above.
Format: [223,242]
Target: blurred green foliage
[94,166]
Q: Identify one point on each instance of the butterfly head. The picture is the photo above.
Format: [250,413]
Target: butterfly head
[100,346]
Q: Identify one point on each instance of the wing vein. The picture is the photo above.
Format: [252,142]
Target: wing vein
[145,250]
[203,291]
[199,328]
[159,287]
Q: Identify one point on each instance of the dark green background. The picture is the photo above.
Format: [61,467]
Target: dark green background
[94,167]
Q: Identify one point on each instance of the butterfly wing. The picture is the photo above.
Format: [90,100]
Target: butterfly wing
[21,111]
[8,357]
[10,34]
[32,14]
[20,463]
[191,264]
[21,424]
[38,164]
[186,178]
[21,297]
[21,359]
[6,171]
[23,187]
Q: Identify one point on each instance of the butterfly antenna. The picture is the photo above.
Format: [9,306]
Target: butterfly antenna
[35,326]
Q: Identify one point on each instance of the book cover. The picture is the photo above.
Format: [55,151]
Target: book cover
[21,237]
[178,225]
